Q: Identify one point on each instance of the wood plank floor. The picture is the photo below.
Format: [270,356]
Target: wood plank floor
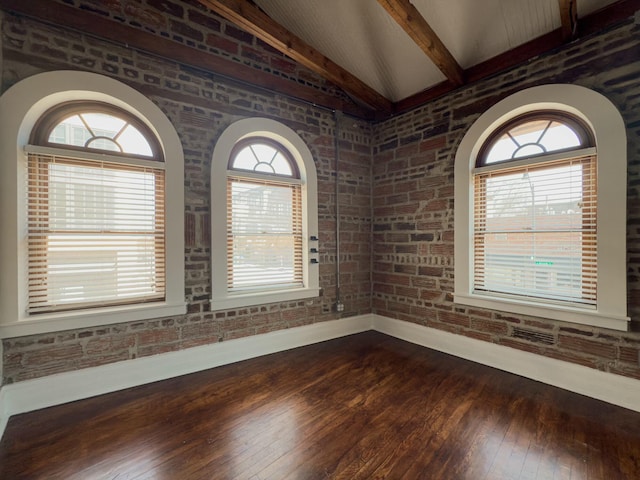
[360,407]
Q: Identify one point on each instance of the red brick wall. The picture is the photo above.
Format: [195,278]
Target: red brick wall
[200,106]
[413,162]
[189,23]
[410,172]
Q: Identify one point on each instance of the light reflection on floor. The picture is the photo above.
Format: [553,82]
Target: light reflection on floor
[263,436]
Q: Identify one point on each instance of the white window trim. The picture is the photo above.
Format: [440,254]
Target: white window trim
[610,135]
[261,127]
[20,107]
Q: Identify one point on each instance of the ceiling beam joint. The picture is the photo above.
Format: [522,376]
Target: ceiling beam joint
[568,18]
[247,16]
[410,19]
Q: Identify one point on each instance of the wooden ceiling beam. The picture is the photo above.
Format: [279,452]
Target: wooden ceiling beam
[592,23]
[97,26]
[410,19]
[250,18]
[568,18]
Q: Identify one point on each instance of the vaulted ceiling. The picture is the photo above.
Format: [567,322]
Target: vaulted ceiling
[386,53]
[387,56]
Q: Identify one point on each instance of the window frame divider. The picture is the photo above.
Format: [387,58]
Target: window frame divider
[531,161]
[56,152]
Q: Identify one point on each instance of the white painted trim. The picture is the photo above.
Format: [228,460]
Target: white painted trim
[20,108]
[263,297]
[239,130]
[614,389]
[4,413]
[585,315]
[607,124]
[90,318]
[66,387]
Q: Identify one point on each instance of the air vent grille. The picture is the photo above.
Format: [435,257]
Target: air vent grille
[533,335]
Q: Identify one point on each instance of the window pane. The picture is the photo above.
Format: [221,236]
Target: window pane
[262,158]
[125,265]
[71,131]
[559,137]
[532,138]
[535,231]
[281,165]
[132,141]
[100,131]
[264,168]
[264,235]
[245,160]
[96,234]
[103,124]
[91,198]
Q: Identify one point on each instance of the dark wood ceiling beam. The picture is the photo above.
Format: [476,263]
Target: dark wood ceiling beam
[592,23]
[410,19]
[568,18]
[97,26]
[250,18]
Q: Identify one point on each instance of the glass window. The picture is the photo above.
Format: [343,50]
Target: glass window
[92,184]
[262,155]
[539,212]
[535,231]
[264,219]
[96,126]
[95,227]
[535,222]
[535,135]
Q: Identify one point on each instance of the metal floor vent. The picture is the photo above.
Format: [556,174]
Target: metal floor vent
[533,336]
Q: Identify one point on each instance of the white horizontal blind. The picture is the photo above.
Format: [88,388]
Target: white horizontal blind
[95,234]
[535,231]
[264,234]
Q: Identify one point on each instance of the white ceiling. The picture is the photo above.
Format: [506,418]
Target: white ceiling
[361,37]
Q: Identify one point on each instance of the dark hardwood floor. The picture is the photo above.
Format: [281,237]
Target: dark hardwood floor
[361,407]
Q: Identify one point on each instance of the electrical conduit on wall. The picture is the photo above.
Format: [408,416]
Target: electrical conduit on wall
[337,115]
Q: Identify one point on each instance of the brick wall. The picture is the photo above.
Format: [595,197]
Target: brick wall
[189,23]
[200,106]
[413,162]
[411,177]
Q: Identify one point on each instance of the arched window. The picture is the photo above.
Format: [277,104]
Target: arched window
[95,223]
[94,210]
[264,218]
[535,135]
[535,185]
[264,231]
[535,211]
[96,127]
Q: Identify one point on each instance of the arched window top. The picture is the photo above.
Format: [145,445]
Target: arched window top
[97,127]
[534,135]
[264,208]
[264,156]
[595,117]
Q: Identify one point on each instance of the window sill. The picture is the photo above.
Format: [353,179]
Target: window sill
[59,321]
[254,298]
[563,313]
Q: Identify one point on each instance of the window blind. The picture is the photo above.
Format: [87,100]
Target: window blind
[535,231]
[95,233]
[264,234]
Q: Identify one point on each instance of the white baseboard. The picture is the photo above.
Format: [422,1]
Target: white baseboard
[4,414]
[66,387]
[615,389]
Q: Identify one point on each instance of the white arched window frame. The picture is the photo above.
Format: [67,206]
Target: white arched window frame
[608,128]
[222,296]
[20,108]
